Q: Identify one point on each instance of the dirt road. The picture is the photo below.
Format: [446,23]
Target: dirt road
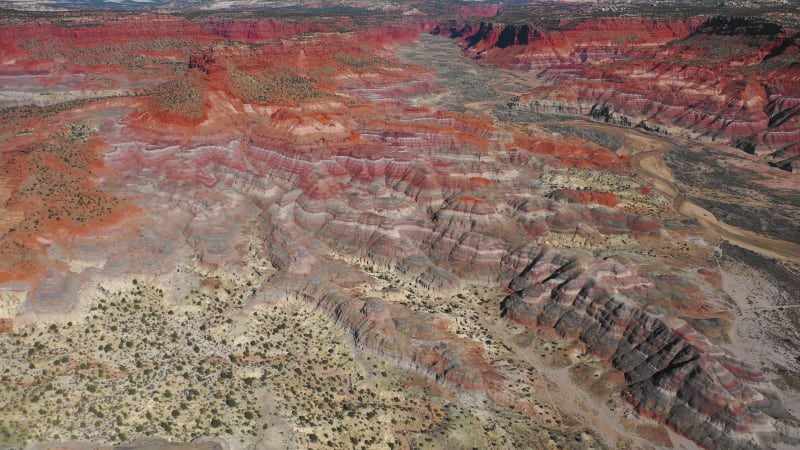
[646,154]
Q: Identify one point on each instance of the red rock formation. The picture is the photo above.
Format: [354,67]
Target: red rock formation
[263,30]
[585,197]
[577,154]
[597,41]
[6,325]
[265,150]
[654,74]
[478,10]
[52,193]
[99,33]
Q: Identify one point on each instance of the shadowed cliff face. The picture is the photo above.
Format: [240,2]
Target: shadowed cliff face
[673,373]
[722,79]
[286,162]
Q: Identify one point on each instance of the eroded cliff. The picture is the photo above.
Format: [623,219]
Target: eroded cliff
[717,78]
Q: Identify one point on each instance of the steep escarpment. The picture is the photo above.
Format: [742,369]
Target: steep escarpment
[532,47]
[673,373]
[658,75]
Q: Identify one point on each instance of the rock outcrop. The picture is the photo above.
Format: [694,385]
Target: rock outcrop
[674,374]
[411,339]
[585,197]
[654,74]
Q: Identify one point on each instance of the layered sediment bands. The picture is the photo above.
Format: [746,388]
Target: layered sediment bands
[256,31]
[43,45]
[265,30]
[414,192]
[578,153]
[411,339]
[585,197]
[46,63]
[654,74]
[531,47]
[303,168]
[50,42]
[674,374]
[55,293]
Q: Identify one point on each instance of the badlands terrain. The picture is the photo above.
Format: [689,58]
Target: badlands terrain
[400,225]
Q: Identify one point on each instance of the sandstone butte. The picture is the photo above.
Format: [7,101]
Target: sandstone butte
[296,139]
